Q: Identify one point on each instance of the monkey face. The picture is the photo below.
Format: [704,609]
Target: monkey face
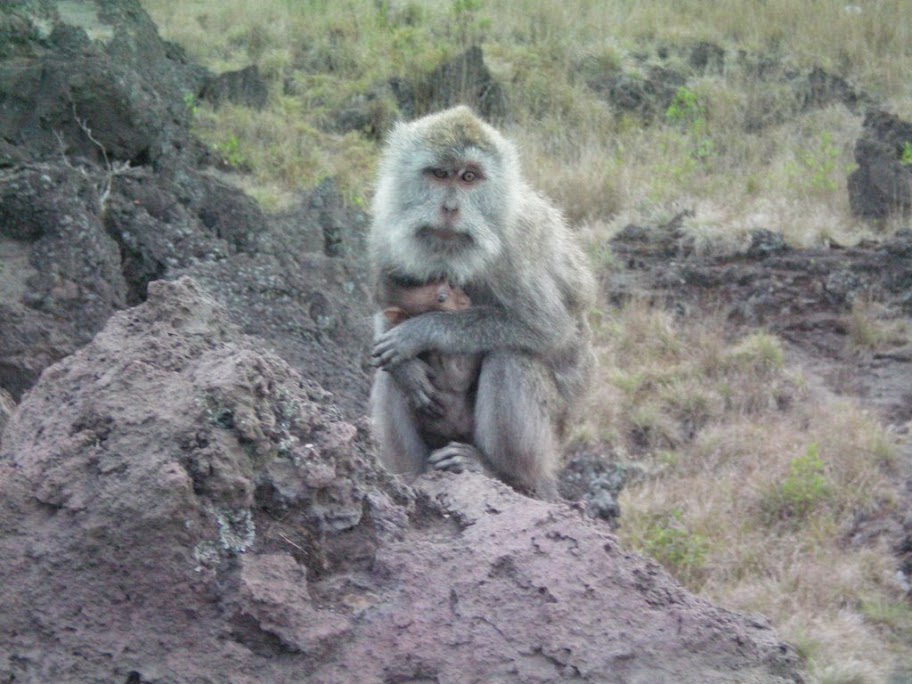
[449,184]
[455,191]
[451,298]
[405,302]
[445,196]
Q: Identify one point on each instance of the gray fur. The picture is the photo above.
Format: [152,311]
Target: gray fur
[530,288]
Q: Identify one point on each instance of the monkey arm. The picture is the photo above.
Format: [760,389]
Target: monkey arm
[414,377]
[475,330]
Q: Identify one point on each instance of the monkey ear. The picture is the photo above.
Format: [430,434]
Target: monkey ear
[395,315]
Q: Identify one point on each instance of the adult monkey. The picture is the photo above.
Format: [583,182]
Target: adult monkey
[451,204]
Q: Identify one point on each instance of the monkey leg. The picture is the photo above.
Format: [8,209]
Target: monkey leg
[400,447]
[457,457]
[517,411]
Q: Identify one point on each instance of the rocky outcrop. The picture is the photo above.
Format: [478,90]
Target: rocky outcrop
[464,79]
[882,184]
[103,190]
[242,87]
[178,504]
[61,275]
[645,84]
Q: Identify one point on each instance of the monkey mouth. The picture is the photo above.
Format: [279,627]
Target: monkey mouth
[445,235]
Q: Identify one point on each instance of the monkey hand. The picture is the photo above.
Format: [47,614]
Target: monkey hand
[457,457]
[399,344]
[415,379]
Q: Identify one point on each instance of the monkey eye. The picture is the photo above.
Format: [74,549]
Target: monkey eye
[440,173]
[469,176]
[442,297]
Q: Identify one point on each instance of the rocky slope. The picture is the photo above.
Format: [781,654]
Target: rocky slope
[102,190]
[179,504]
[187,491]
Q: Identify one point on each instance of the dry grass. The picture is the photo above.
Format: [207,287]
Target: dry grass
[873,327]
[753,480]
[753,484]
[788,177]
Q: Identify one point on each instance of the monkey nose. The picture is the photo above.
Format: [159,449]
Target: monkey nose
[449,212]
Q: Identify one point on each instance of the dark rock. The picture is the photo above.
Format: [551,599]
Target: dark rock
[61,276]
[882,183]
[647,97]
[596,481]
[20,35]
[900,244]
[167,221]
[765,243]
[668,239]
[243,87]
[707,57]
[344,229]
[322,222]
[69,39]
[634,233]
[463,80]
[116,98]
[823,89]
[372,113]
[118,200]
[404,92]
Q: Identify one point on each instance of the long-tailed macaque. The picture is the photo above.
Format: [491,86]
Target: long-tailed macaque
[453,375]
[451,205]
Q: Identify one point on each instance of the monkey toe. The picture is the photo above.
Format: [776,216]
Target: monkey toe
[456,457]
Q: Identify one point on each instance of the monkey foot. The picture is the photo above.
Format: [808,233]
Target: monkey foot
[456,457]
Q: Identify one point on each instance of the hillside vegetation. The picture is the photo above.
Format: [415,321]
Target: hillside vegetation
[752,476]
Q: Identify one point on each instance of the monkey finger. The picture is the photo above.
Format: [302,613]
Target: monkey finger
[424,400]
[385,355]
[378,362]
[429,406]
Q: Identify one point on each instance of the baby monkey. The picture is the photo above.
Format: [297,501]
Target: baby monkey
[454,375]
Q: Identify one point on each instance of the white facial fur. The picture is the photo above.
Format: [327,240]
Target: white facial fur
[407,200]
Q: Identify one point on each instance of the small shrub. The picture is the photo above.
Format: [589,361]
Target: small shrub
[905,157]
[821,162]
[675,546]
[230,149]
[685,110]
[688,113]
[803,489]
[871,328]
[758,354]
[818,170]
[190,104]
